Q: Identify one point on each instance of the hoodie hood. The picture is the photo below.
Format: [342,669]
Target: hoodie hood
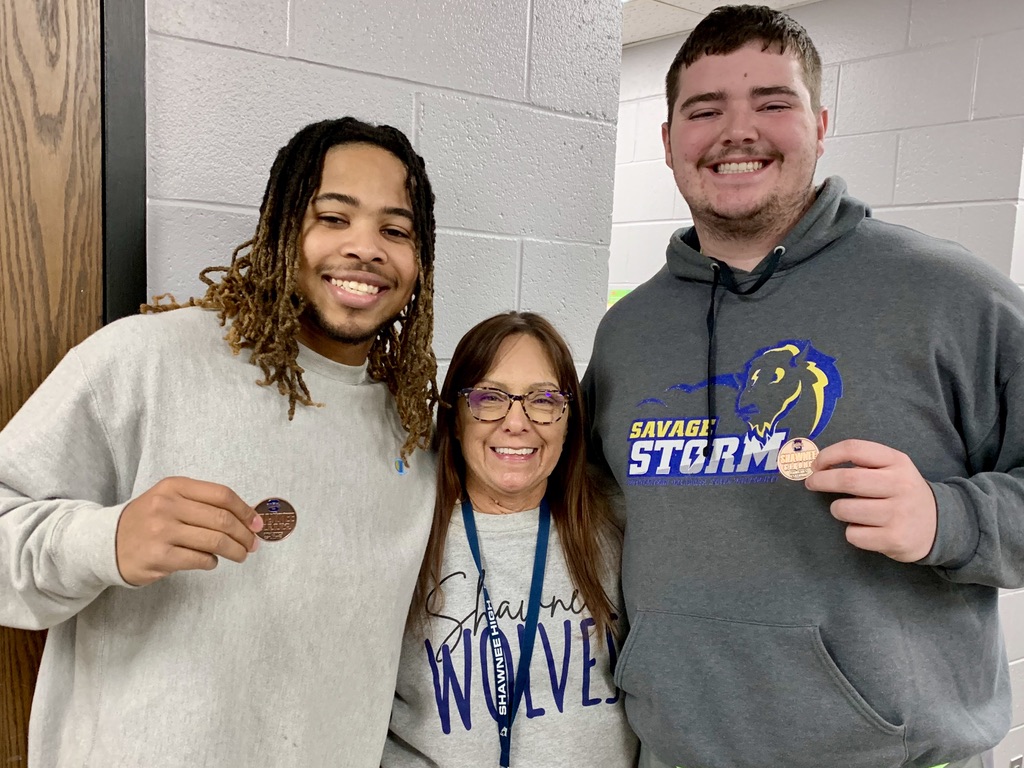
[830,217]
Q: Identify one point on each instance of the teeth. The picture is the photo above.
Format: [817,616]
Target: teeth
[748,167]
[354,287]
[515,451]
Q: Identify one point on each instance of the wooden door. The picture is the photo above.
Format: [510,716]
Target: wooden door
[51,244]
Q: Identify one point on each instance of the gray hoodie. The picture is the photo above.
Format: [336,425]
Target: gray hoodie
[759,636]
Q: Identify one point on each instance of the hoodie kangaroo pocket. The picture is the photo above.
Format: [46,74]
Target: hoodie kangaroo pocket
[717,693]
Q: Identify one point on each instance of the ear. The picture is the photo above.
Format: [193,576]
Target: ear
[822,128]
[667,141]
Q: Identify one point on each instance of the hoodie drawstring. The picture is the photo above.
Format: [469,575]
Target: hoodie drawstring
[723,275]
[716,272]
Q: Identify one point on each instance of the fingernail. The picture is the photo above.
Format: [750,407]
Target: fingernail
[255,544]
[257,524]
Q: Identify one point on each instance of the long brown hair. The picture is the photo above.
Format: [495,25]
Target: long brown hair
[581,511]
[258,289]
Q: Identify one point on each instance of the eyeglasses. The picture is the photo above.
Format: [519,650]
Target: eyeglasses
[542,406]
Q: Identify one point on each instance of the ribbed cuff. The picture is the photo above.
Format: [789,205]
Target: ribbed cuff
[957,535]
[84,549]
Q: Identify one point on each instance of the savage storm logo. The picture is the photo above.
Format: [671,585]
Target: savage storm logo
[788,389]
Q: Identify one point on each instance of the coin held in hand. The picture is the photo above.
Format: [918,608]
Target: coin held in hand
[278,519]
[796,457]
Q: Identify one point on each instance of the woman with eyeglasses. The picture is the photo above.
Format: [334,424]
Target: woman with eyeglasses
[511,642]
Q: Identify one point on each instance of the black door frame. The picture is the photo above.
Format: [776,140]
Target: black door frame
[123,69]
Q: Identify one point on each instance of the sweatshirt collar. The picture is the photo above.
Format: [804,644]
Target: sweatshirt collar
[324,366]
[832,214]
[515,521]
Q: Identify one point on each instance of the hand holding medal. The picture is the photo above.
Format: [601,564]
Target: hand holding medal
[183,524]
[888,506]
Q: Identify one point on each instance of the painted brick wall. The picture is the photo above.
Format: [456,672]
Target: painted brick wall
[926,125]
[512,105]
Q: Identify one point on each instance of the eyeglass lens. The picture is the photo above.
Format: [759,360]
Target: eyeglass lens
[493,404]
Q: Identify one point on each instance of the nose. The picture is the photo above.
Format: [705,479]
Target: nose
[364,243]
[516,420]
[740,127]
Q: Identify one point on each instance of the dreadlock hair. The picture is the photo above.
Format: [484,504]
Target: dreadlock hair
[581,507]
[730,27]
[258,290]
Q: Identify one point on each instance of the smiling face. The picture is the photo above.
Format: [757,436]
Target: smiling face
[744,141]
[359,260]
[508,462]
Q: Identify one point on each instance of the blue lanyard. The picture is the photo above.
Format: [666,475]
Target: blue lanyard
[506,710]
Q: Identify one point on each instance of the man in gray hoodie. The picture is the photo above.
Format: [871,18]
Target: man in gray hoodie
[792,608]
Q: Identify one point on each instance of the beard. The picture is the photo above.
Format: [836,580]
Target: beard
[774,215]
[345,334]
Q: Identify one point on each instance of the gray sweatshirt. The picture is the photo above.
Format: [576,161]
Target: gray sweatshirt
[288,659]
[759,636]
[444,713]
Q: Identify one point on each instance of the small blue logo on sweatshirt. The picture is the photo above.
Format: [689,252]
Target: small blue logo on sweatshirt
[400,467]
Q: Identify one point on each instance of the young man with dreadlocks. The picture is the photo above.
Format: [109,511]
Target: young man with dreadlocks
[128,483]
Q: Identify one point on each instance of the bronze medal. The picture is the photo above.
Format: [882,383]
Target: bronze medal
[278,519]
[796,457]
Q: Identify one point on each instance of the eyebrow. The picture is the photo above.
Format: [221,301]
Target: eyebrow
[757,92]
[774,90]
[338,197]
[537,385]
[697,98]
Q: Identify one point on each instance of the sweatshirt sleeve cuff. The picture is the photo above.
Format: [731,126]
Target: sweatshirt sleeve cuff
[957,534]
[84,549]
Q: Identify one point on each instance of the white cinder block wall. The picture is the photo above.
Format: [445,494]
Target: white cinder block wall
[926,125]
[511,104]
